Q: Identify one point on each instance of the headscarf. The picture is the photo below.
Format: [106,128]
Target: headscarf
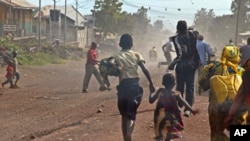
[230,57]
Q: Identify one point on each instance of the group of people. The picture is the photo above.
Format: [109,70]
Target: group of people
[12,74]
[190,51]
[167,49]
[129,91]
[203,48]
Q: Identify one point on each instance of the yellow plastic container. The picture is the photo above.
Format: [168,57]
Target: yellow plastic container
[225,87]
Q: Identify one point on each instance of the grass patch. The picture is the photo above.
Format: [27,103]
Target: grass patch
[39,58]
[46,55]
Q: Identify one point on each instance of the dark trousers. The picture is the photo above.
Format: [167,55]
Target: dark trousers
[129,97]
[185,80]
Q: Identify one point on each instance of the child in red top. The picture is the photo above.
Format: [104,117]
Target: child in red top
[168,122]
[9,75]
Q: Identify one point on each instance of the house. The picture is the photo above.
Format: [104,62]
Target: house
[55,25]
[244,37]
[16,17]
[21,18]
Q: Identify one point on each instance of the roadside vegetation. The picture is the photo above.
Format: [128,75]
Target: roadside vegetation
[29,52]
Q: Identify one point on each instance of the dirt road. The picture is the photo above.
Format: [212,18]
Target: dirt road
[51,107]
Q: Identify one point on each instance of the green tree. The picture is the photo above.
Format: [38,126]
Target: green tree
[107,14]
[203,20]
[216,30]
[222,31]
[125,23]
[141,25]
[158,25]
[241,9]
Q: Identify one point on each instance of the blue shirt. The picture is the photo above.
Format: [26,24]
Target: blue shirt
[245,53]
[203,48]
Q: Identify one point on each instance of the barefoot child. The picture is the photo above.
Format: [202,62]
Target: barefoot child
[9,75]
[167,116]
[129,91]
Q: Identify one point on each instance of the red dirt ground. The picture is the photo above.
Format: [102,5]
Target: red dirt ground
[51,107]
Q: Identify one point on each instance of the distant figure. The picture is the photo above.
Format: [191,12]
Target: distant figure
[16,72]
[230,42]
[9,75]
[203,50]
[168,122]
[92,67]
[167,49]
[153,54]
[56,42]
[245,52]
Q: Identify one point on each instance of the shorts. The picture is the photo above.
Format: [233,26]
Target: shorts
[17,75]
[129,97]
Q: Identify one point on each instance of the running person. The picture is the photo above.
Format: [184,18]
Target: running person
[129,91]
[168,111]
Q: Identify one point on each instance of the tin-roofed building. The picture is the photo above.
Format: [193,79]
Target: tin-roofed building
[16,17]
[53,24]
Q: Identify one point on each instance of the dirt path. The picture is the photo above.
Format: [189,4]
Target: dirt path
[51,107]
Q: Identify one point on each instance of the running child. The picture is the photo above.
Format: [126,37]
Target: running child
[168,122]
[9,75]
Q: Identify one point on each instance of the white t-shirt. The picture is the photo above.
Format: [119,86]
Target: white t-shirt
[168,47]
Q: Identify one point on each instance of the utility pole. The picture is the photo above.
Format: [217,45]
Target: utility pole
[76,20]
[76,13]
[39,31]
[10,13]
[53,21]
[93,29]
[237,22]
[54,10]
[65,22]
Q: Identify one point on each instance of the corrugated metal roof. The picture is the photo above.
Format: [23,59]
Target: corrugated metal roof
[19,3]
[71,12]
